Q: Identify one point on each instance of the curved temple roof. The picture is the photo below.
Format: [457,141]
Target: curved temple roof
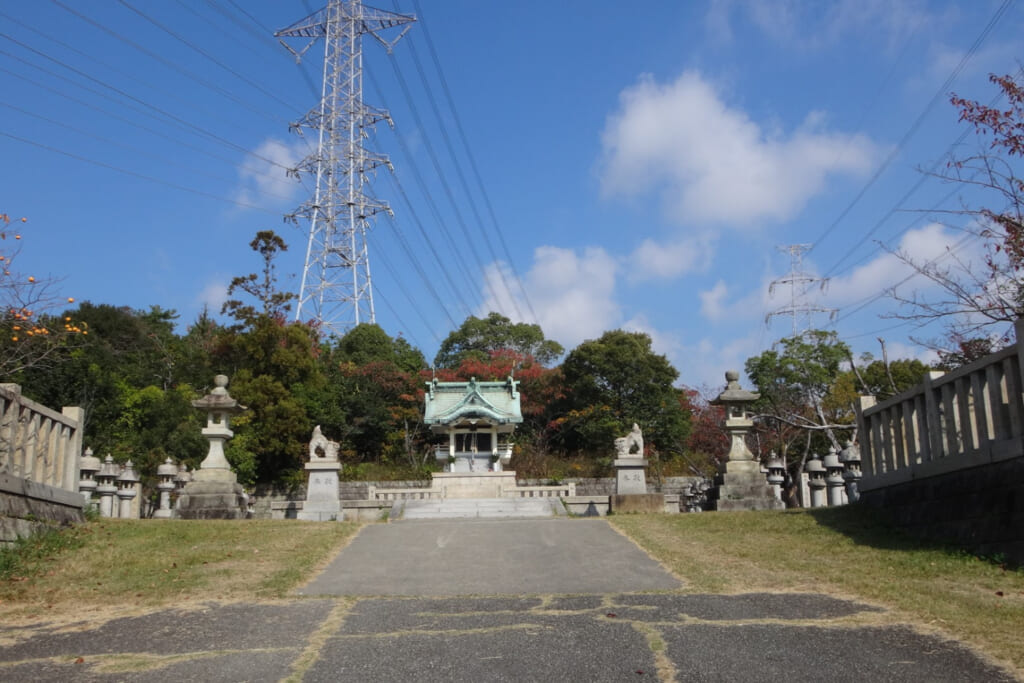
[491,402]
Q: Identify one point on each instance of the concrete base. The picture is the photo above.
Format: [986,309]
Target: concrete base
[637,502]
[212,500]
[27,507]
[742,486]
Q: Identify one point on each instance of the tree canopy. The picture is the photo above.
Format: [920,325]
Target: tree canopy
[479,337]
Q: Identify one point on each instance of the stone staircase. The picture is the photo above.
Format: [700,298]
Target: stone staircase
[477,508]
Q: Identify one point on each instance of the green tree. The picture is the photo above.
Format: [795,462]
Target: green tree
[262,286]
[479,337]
[617,380]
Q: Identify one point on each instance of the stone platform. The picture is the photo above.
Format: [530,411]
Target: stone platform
[477,508]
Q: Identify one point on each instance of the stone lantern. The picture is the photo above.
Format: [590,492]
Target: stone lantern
[776,474]
[816,474]
[126,490]
[165,474]
[182,477]
[834,478]
[88,467]
[219,407]
[105,487]
[850,457]
[214,492]
[740,485]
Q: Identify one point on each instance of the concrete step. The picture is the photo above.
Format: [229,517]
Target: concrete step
[477,508]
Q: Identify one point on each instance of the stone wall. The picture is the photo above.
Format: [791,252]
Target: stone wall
[980,509]
[27,507]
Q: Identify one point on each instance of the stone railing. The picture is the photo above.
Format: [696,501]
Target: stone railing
[386,494]
[969,417]
[37,443]
[560,491]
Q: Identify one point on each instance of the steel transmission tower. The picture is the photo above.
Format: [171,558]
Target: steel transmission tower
[336,290]
[799,282]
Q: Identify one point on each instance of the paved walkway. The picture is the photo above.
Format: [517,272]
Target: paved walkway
[526,600]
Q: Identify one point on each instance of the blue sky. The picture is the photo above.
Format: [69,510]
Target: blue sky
[644,164]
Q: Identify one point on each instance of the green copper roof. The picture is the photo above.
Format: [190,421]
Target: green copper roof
[489,402]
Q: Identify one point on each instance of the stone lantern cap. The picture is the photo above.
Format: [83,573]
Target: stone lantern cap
[775,462]
[850,454]
[831,461]
[814,466]
[89,462]
[734,394]
[128,475]
[219,400]
[108,470]
[183,476]
[167,469]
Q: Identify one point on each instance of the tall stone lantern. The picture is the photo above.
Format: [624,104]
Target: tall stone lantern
[214,492]
[740,485]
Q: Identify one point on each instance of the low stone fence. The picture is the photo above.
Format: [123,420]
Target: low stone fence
[37,443]
[946,458]
[39,454]
[559,491]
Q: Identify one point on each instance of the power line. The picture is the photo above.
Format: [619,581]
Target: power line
[918,121]
[472,160]
[136,174]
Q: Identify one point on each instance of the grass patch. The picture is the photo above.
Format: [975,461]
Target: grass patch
[143,563]
[846,552]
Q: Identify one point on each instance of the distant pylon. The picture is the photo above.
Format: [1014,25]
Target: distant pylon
[336,290]
[800,307]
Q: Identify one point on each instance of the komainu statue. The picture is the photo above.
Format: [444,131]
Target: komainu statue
[321,448]
[631,445]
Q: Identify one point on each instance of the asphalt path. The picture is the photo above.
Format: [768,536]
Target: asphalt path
[516,600]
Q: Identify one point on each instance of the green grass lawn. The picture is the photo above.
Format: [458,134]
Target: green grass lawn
[846,552]
[147,563]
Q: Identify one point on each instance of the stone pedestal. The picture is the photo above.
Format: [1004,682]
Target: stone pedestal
[322,502]
[630,476]
[211,498]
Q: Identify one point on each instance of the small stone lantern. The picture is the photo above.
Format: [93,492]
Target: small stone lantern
[105,486]
[88,466]
[816,474]
[165,474]
[850,457]
[834,478]
[776,474]
[182,477]
[126,490]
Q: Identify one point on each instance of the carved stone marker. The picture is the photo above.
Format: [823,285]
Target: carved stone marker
[322,503]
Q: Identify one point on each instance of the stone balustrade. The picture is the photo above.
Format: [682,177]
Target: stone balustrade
[966,418]
[37,443]
[560,491]
[389,494]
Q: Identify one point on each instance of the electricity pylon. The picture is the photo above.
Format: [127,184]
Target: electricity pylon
[799,308]
[336,290]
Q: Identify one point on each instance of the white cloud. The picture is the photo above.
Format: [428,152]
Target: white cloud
[808,25]
[930,243]
[711,163]
[262,175]
[652,260]
[571,292]
[213,296]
